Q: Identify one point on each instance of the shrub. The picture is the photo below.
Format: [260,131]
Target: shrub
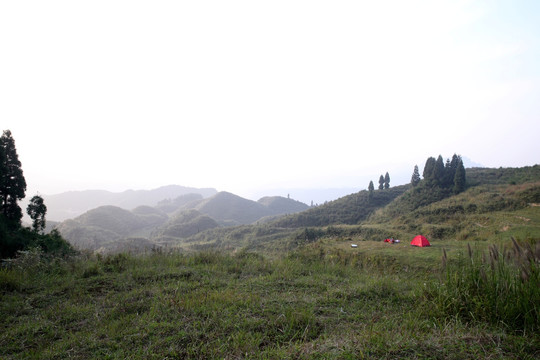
[9,280]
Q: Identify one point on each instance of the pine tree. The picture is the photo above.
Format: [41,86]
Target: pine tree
[450,171]
[456,159]
[371,187]
[428,170]
[381,182]
[386,181]
[36,210]
[12,182]
[460,180]
[448,177]
[438,171]
[415,179]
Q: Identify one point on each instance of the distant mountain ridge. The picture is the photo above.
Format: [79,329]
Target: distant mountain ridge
[71,204]
[105,227]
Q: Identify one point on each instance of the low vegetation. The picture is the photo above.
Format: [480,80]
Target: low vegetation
[324,300]
[498,287]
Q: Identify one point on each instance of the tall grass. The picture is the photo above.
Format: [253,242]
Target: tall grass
[500,287]
[314,303]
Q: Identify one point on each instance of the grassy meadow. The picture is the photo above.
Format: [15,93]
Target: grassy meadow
[324,300]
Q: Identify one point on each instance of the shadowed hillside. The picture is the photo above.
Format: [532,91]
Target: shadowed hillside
[281,205]
[104,225]
[71,204]
[186,201]
[184,225]
[230,209]
[170,222]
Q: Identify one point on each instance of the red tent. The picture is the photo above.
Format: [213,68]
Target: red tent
[420,240]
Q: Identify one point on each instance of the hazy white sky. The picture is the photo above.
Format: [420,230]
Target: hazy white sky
[246,95]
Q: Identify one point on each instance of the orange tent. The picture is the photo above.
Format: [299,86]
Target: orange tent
[420,240]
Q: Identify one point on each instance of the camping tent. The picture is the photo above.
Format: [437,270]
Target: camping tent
[420,240]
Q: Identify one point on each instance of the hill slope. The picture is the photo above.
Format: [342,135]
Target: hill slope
[230,209]
[106,224]
[499,203]
[350,209]
[280,205]
[106,227]
[506,205]
[184,225]
[71,204]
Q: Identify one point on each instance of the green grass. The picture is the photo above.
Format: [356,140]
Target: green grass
[324,301]
[499,287]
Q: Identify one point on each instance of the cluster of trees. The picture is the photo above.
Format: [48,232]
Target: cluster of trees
[13,236]
[384,183]
[449,175]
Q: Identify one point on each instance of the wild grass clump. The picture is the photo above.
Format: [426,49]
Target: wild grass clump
[499,287]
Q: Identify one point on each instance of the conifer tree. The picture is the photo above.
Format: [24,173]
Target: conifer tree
[415,179]
[460,180]
[428,169]
[448,177]
[456,159]
[438,171]
[381,182]
[371,187]
[386,181]
[450,171]
[12,182]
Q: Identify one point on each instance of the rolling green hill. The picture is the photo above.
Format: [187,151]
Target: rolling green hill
[497,203]
[183,225]
[278,205]
[180,202]
[105,225]
[231,209]
[502,206]
[171,222]
[350,210]
[71,204]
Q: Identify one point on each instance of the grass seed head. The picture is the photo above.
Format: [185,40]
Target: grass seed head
[517,248]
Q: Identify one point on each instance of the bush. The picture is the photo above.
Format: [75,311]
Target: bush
[22,239]
[9,280]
